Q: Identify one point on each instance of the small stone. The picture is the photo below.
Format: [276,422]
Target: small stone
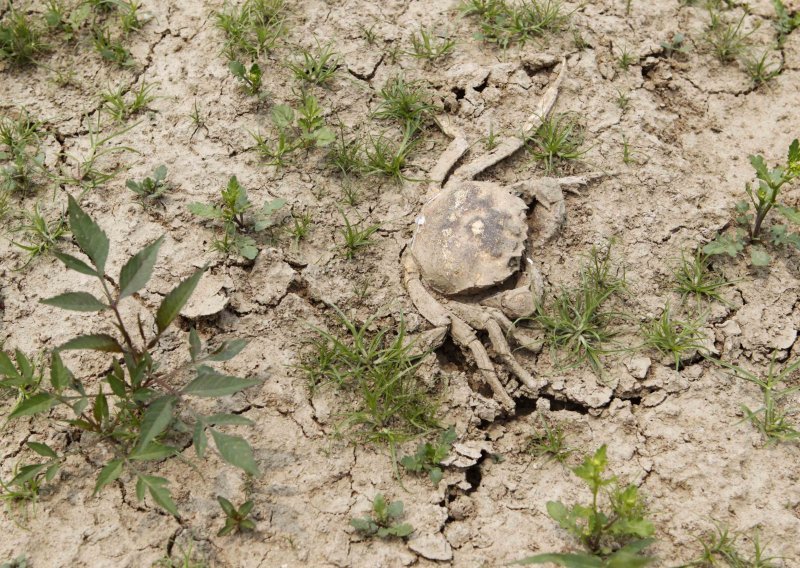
[638,367]
[432,547]
[654,398]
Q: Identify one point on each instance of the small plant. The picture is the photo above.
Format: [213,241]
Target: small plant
[772,419]
[151,406]
[250,78]
[236,519]
[129,19]
[556,141]
[317,66]
[356,237]
[20,41]
[506,23]
[253,29]
[628,155]
[150,189]
[677,44]
[694,277]
[626,59]
[576,322]
[764,198]
[25,162]
[727,40]
[345,156]
[40,234]
[384,520]
[28,479]
[407,103]
[424,45]
[623,100]
[119,109]
[87,172]
[368,33]
[301,225]
[613,535]
[490,141]
[759,68]
[549,441]
[785,22]
[111,49]
[237,221]
[383,156]
[673,337]
[720,549]
[429,456]
[379,368]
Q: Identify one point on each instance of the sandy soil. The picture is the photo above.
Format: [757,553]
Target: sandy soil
[691,121]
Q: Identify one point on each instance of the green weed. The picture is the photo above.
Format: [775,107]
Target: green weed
[86,170]
[727,40]
[407,103]
[429,456]
[356,237]
[626,59]
[129,18]
[720,548]
[316,66]
[383,156]
[384,520]
[759,68]
[301,226]
[549,441]
[115,104]
[250,78]
[425,45]
[673,337]
[151,189]
[253,29]
[25,162]
[785,21]
[20,41]
[694,277]
[677,44]
[111,49]
[345,156]
[236,519]
[238,222]
[558,140]
[506,23]
[40,235]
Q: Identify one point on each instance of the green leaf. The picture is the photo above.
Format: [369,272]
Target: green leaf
[236,451]
[228,350]
[366,526]
[90,237]
[7,368]
[160,173]
[211,383]
[75,301]
[227,506]
[96,342]
[173,302]
[156,419]
[568,560]
[41,402]
[51,472]
[194,344]
[248,250]
[282,116]
[236,68]
[724,244]
[154,451]
[75,264]
[760,166]
[227,419]
[43,449]
[27,472]
[324,136]
[400,531]
[759,256]
[205,210]
[791,214]
[111,471]
[60,376]
[271,207]
[794,147]
[158,491]
[23,364]
[138,270]
[199,439]
[436,475]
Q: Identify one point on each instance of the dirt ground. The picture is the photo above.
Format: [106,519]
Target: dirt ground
[691,123]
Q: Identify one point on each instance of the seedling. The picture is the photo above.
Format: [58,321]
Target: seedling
[576,322]
[368,33]
[785,22]
[407,103]
[345,155]
[506,23]
[720,549]
[301,225]
[425,45]
[28,479]
[677,44]
[490,141]
[549,442]
[87,172]
[626,59]
[250,78]
[727,40]
[40,234]
[20,41]
[612,535]
[236,520]
[21,139]
[317,66]
[119,109]
[694,277]
[379,368]
[356,237]
[383,156]
[238,223]
[556,141]
[772,419]
[628,155]
[764,198]
[304,129]
[129,16]
[759,68]
[112,50]
[623,100]
[151,398]
[384,521]
[151,189]
[429,456]
[673,337]
[252,30]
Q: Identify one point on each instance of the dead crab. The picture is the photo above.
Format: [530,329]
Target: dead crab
[470,238]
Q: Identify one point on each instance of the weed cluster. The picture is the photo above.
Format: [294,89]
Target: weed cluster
[20,140]
[720,549]
[425,45]
[40,234]
[20,39]
[151,189]
[118,108]
[429,456]
[251,30]
[694,277]
[140,410]
[317,66]
[549,442]
[558,140]
[384,521]
[673,337]
[505,23]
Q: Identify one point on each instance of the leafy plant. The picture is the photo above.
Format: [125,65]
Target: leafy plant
[759,68]
[406,102]
[301,225]
[505,23]
[140,406]
[785,22]
[383,156]
[676,44]
[424,45]
[772,419]
[111,49]
[253,29]
[129,19]
[236,519]
[673,337]
[549,441]
[727,40]
[115,104]
[694,277]
[250,78]
[429,456]
[557,140]
[25,167]
[238,223]
[626,59]
[720,549]
[613,535]
[28,479]
[150,189]
[356,237]
[317,66]
[764,198]
[345,155]
[40,234]
[384,520]
[20,40]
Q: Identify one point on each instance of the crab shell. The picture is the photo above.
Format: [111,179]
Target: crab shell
[470,237]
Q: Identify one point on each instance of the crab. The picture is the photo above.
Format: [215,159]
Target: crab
[464,268]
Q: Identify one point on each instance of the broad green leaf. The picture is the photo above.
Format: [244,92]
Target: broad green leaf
[271,207]
[794,147]
[42,449]
[7,368]
[248,250]
[95,342]
[75,301]
[760,166]
[324,136]
[194,344]
[160,173]
[51,472]
[363,525]
[153,451]
[111,471]
[158,491]
[75,264]
[227,506]
[558,512]
[236,68]
[228,350]
[236,451]
[199,439]
[211,383]
[173,302]
[724,244]
[759,256]
[90,237]
[436,475]
[100,408]
[227,419]
[60,376]
[394,510]
[41,402]
[246,507]
[27,472]
[156,419]
[205,210]
[568,560]
[138,270]
[400,531]
[791,214]
[23,364]
[282,116]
